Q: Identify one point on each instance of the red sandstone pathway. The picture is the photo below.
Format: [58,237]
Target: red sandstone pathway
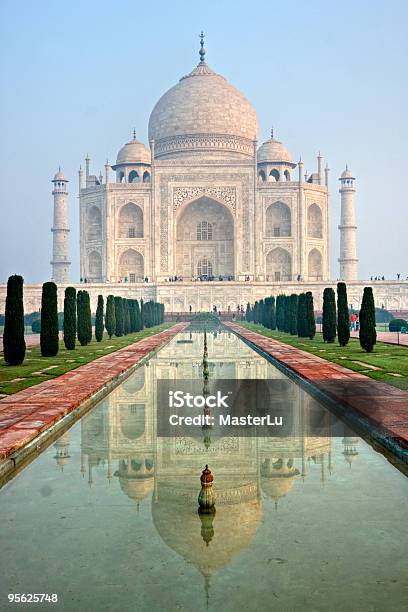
[383,405]
[24,415]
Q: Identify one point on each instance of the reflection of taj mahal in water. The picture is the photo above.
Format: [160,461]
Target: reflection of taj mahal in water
[120,436]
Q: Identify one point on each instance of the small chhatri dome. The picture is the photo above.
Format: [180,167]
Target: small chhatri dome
[133,152]
[274,151]
[347,174]
[59,176]
[203,113]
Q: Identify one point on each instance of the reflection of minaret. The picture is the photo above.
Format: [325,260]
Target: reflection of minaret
[62,450]
[350,452]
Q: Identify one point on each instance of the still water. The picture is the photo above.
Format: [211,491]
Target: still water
[107,519]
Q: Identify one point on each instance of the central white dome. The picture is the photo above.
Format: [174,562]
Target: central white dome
[203,114]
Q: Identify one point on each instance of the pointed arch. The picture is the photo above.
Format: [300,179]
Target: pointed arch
[314,221]
[278,220]
[131,266]
[204,230]
[131,221]
[315,265]
[94,224]
[279,265]
[134,177]
[94,267]
[274,175]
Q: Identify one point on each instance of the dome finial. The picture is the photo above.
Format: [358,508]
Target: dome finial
[134,133]
[202,50]
[272,132]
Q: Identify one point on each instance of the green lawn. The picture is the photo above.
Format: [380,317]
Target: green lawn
[391,360]
[35,368]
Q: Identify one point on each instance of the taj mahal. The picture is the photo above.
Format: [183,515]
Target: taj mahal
[205,216]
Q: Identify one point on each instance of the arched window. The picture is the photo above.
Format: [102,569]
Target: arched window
[278,220]
[95,266]
[131,221]
[287,175]
[204,231]
[131,266]
[314,221]
[314,265]
[146,177]
[274,175]
[279,265]
[262,176]
[121,177]
[134,177]
[94,224]
[204,268]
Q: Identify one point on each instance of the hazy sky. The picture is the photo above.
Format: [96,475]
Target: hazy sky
[76,77]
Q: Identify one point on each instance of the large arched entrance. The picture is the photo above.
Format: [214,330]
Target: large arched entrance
[204,240]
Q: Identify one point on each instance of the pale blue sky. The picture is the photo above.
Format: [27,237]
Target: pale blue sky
[78,76]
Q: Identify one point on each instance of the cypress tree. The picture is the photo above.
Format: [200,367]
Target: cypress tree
[138,317]
[141,315]
[368,334]
[311,323]
[79,316]
[99,319]
[70,319]
[261,313]
[118,316]
[302,322]
[84,318]
[343,318]
[110,320]
[49,340]
[14,345]
[272,320]
[248,313]
[266,312]
[132,316]
[280,312]
[293,313]
[329,315]
[287,314]
[126,317]
[256,312]
[88,317]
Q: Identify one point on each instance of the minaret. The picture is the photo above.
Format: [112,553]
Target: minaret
[348,257]
[60,262]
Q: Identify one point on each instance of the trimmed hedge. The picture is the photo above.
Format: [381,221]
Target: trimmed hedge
[396,324]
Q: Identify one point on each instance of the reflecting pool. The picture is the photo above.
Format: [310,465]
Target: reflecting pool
[107,517]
